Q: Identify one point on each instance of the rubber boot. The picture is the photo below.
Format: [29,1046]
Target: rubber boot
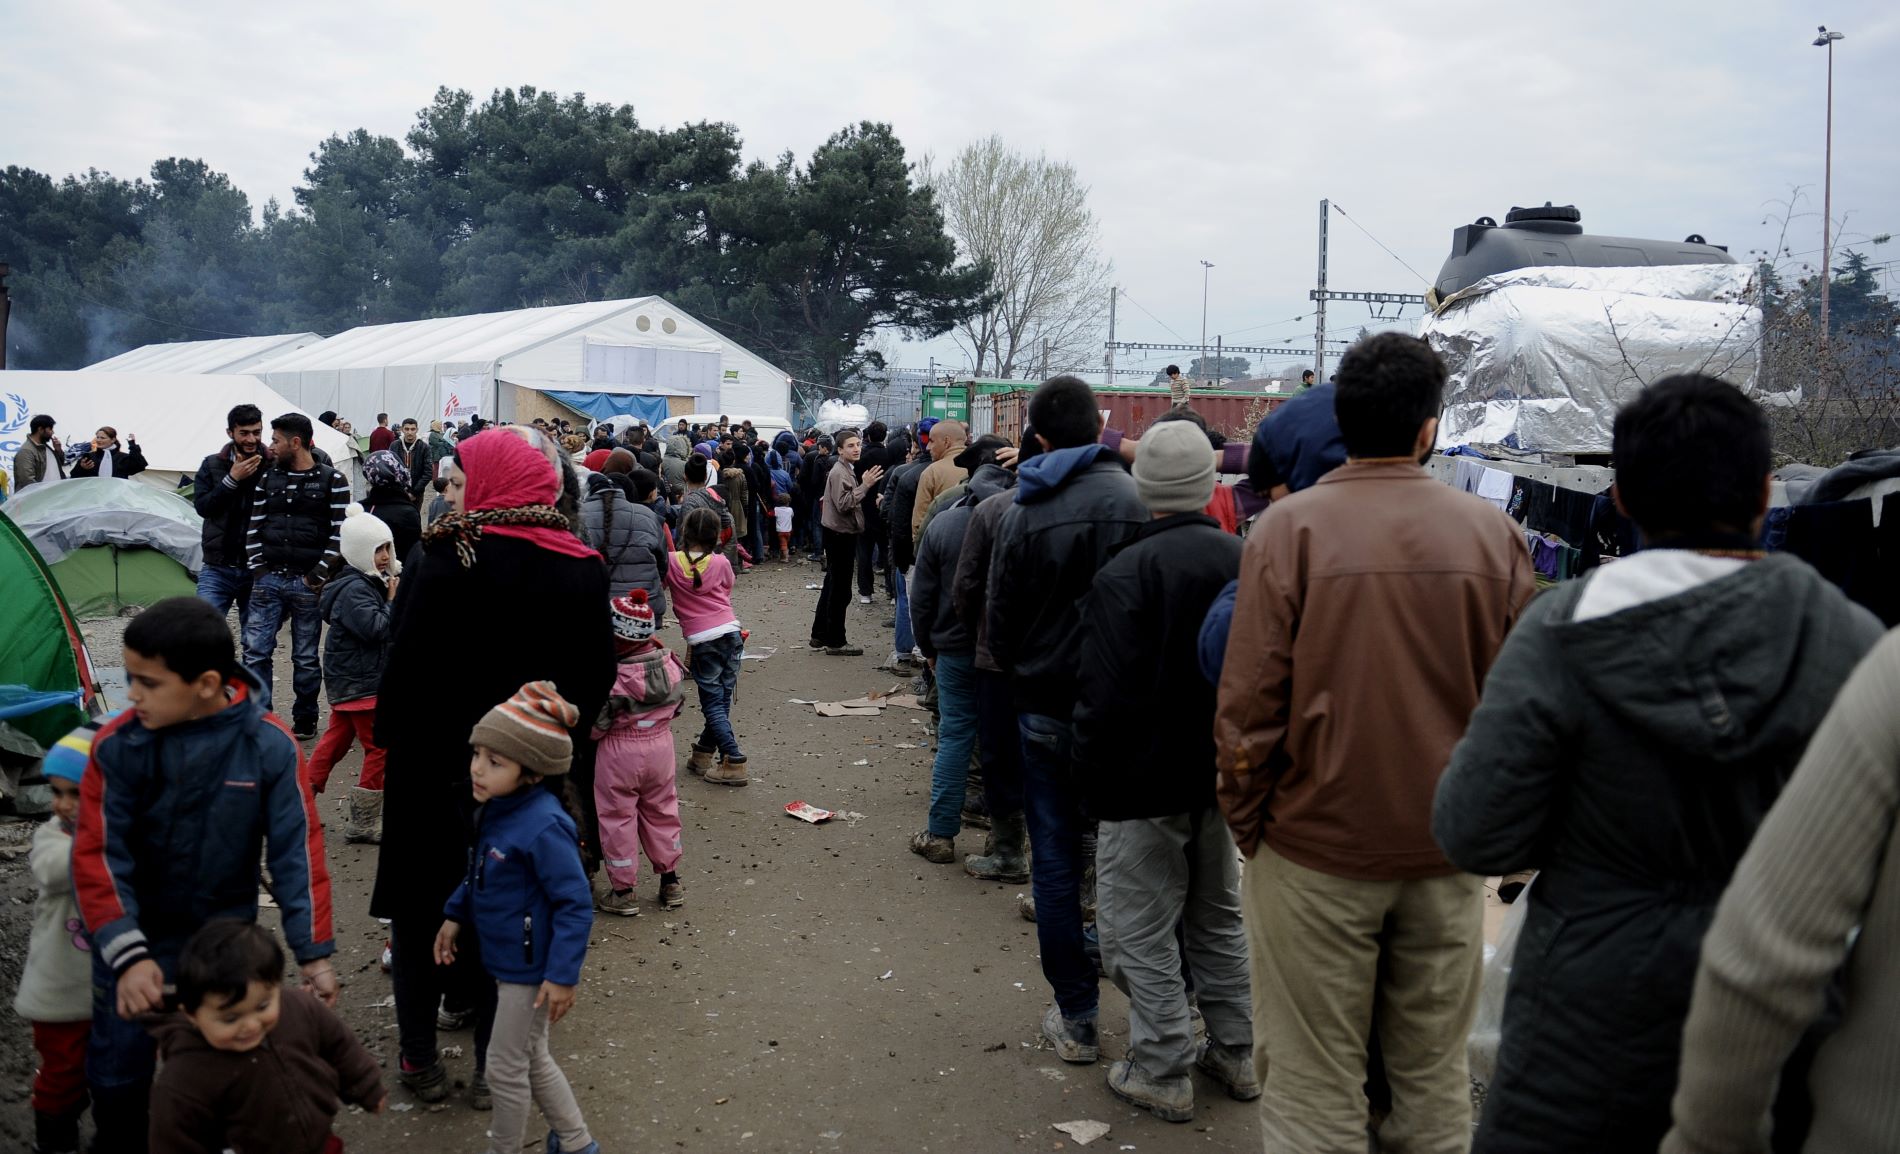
[366,816]
[1009,861]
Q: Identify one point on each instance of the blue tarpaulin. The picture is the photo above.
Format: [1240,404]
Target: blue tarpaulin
[21,700]
[606,406]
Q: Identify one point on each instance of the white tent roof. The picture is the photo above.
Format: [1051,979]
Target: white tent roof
[177,417]
[235,355]
[641,345]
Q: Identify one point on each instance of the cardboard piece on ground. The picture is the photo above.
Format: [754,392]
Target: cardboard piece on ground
[1084,1131]
[835,709]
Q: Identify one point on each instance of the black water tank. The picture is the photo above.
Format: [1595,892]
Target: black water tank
[1553,235]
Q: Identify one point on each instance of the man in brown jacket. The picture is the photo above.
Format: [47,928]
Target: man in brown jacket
[1371,606]
[947,439]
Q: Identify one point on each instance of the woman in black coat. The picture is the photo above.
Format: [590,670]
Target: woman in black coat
[392,501]
[125,462]
[467,636]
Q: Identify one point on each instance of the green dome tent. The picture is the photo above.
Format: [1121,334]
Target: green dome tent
[111,543]
[41,649]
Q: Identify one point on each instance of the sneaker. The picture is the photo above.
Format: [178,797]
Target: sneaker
[672,895]
[430,1084]
[448,1021]
[844,651]
[1232,1067]
[863,599]
[814,643]
[1169,1099]
[930,847]
[627,904]
[305,730]
[389,956]
[554,1146]
[478,1096]
[1073,1038]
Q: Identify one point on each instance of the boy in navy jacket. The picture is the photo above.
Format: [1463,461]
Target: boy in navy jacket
[528,899]
[182,796]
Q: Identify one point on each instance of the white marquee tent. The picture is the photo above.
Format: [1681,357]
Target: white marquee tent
[178,418]
[233,355]
[601,358]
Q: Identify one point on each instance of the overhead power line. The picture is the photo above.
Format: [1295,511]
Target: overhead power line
[1375,240]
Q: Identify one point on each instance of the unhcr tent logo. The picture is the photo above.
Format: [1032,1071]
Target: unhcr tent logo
[14,414]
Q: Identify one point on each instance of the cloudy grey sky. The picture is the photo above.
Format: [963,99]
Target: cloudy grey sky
[1207,131]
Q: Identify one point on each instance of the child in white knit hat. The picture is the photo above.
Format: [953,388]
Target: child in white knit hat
[528,900]
[356,606]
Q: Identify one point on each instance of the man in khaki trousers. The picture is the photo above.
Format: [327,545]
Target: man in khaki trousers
[1371,605]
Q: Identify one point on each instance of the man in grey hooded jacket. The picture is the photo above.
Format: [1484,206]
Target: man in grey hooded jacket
[1634,731]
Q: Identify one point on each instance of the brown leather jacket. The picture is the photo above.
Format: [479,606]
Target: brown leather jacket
[1371,607]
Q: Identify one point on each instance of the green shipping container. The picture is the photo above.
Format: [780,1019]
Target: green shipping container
[947,402]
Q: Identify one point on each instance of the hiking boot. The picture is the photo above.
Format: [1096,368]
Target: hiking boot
[1008,860]
[730,771]
[626,904]
[699,761]
[930,847]
[1232,1067]
[672,895]
[844,651]
[478,1096]
[365,824]
[1169,1099]
[449,1021]
[430,1084]
[1073,1038]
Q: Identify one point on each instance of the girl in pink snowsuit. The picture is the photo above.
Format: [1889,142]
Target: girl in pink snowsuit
[634,789]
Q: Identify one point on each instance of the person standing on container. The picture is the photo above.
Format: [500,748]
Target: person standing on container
[1178,386]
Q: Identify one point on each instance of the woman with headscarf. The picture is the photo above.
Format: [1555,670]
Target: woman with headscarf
[390,500]
[486,573]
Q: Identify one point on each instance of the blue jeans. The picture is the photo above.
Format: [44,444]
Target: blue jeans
[1053,811]
[906,639]
[715,667]
[275,596]
[224,586]
[120,1060]
[956,740]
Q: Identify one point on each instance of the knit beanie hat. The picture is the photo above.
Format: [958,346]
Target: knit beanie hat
[363,533]
[531,728]
[633,618]
[67,759]
[1174,468]
[594,461]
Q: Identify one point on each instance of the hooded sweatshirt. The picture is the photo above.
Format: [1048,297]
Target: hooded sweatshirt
[279,1098]
[1629,756]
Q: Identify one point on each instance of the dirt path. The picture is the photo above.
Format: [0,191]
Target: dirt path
[758,1018]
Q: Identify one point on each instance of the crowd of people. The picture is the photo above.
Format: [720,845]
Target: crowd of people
[1254,765]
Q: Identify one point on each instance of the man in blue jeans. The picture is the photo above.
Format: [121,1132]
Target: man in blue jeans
[294,538]
[222,495]
[1074,502]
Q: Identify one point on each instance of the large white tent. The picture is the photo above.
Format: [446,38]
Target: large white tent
[601,358]
[178,418]
[232,355]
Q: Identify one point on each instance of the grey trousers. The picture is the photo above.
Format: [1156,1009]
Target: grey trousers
[521,1073]
[1152,874]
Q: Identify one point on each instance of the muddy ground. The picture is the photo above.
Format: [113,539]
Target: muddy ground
[823,989]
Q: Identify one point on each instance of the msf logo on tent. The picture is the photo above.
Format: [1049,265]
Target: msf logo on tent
[453,404]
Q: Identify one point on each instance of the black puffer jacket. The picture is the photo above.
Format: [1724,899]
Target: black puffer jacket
[356,647]
[630,538]
[225,506]
[394,507]
[900,497]
[1072,506]
[1144,720]
[419,460]
[1629,758]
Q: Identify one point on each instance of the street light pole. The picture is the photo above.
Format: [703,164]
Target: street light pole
[1826,40]
[1206,269]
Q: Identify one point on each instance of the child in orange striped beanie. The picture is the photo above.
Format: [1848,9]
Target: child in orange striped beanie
[529,902]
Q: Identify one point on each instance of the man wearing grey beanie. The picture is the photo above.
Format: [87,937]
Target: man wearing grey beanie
[1164,855]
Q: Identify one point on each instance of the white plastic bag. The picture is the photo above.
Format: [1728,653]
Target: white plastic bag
[1487,1025]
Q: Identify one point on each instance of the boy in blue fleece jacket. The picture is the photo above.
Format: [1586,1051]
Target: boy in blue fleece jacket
[182,797]
[528,899]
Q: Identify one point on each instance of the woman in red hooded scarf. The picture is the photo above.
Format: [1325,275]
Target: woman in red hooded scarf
[467,635]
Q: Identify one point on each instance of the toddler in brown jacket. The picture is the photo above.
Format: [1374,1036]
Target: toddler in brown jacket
[248,1065]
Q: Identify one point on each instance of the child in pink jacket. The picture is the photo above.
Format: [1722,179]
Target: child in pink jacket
[634,790]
